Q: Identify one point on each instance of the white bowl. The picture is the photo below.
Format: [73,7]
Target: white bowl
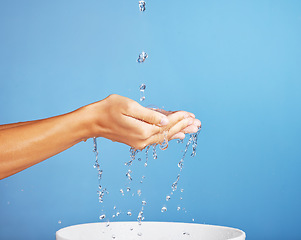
[148,231]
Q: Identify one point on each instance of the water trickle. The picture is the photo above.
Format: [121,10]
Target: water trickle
[164,144]
[163,209]
[146,155]
[142,6]
[155,156]
[142,57]
[142,89]
[174,186]
[101,217]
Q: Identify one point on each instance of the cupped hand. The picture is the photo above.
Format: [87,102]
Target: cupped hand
[124,120]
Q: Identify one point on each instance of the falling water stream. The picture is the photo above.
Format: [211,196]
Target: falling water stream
[192,141]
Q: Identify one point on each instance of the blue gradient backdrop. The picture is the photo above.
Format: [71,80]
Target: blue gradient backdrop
[235,64]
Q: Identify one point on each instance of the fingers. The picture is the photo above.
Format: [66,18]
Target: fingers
[147,115]
[159,137]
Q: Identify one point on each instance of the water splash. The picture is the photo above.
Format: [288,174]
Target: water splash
[164,144]
[142,6]
[142,56]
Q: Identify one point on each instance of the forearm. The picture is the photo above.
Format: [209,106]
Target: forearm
[24,145]
[10,125]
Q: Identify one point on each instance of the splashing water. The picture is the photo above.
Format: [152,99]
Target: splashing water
[164,144]
[142,6]
[142,89]
[142,56]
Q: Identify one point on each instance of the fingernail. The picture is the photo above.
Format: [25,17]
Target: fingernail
[164,121]
[197,123]
[192,115]
[187,115]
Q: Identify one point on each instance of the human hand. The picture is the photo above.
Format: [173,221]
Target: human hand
[124,120]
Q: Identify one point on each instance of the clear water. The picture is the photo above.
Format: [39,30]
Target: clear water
[142,57]
[142,6]
[133,152]
[142,89]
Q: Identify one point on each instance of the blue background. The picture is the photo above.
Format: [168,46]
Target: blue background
[235,64]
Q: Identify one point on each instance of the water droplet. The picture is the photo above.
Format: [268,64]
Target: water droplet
[186,233]
[178,208]
[129,213]
[163,209]
[139,234]
[117,214]
[182,190]
[143,177]
[143,203]
[193,219]
[59,222]
[102,216]
[113,216]
[108,224]
[128,174]
[142,96]
[139,192]
[114,207]
[139,159]
[142,6]
[113,236]
[128,189]
[181,198]
[180,141]
[131,229]
[167,198]
[142,57]
[121,190]
[140,216]
[145,164]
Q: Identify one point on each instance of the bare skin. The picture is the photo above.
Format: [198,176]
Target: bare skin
[117,118]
